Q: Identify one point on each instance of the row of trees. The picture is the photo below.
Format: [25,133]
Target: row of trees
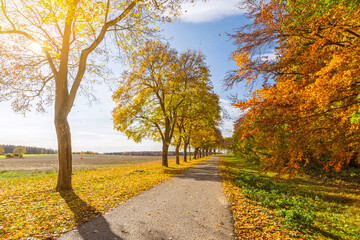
[168,97]
[70,35]
[50,50]
[147,153]
[307,110]
[28,150]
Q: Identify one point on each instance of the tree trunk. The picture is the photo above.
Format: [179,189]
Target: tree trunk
[165,154]
[200,153]
[353,161]
[196,152]
[185,151]
[64,153]
[189,152]
[207,152]
[177,152]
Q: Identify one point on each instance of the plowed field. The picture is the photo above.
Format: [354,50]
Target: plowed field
[50,162]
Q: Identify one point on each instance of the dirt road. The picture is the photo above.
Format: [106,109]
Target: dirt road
[189,206]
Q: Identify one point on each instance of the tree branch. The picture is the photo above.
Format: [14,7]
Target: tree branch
[85,53]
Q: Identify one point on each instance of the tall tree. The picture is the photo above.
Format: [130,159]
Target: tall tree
[199,99]
[150,95]
[51,46]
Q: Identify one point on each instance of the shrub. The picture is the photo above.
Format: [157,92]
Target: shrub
[9,155]
[19,151]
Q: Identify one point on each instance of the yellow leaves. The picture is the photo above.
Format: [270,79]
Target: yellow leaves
[30,208]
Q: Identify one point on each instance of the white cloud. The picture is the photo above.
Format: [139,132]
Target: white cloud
[209,11]
[230,115]
[269,56]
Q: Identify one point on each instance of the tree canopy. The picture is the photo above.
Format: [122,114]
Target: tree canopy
[152,96]
[49,46]
[306,111]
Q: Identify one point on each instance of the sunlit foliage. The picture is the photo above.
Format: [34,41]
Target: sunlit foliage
[47,48]
[152,96]
[305,113]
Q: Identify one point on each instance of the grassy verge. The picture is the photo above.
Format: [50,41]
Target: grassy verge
[30,208]
[306,207]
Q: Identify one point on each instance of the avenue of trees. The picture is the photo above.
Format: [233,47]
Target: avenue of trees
[306,112]
[52,49]
[167,96]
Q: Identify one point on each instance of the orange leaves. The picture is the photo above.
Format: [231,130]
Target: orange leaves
[304,116]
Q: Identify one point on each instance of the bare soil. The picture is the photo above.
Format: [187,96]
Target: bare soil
[50,162]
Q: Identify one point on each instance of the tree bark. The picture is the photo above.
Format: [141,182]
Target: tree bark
[200,153]
[177,152]
[189,152]
[196,152]
[165,154]
[185,151]
[353,161]
[64,153]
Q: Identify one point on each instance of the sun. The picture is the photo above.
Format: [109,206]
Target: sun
[35,48]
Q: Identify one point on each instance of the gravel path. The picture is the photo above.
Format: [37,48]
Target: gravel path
[189,206]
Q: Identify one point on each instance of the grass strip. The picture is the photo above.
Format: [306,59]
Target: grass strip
[31,208]
[306,207]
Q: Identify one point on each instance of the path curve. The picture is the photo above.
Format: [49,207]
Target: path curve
[189,206]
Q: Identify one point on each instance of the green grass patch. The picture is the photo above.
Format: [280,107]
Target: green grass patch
[4,175]
[30,208]
[317,206]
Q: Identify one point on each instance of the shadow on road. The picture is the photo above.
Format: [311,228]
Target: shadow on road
[98,229]
[209,171]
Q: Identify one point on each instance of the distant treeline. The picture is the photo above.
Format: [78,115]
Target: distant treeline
[29,150]
[87,152]
[149,153]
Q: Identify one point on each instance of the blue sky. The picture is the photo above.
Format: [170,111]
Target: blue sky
[203,26]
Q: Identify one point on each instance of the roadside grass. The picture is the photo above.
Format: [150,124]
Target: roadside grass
[316,206]
[6,175]
[31,208]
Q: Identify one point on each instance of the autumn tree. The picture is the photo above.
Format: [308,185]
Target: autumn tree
[49,47]
[201,102]
[306,111]
[203,121]
[204,134]
[2,151]
[151,94]
[19,151]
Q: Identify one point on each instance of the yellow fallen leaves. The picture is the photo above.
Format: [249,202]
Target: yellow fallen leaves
[30,207]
